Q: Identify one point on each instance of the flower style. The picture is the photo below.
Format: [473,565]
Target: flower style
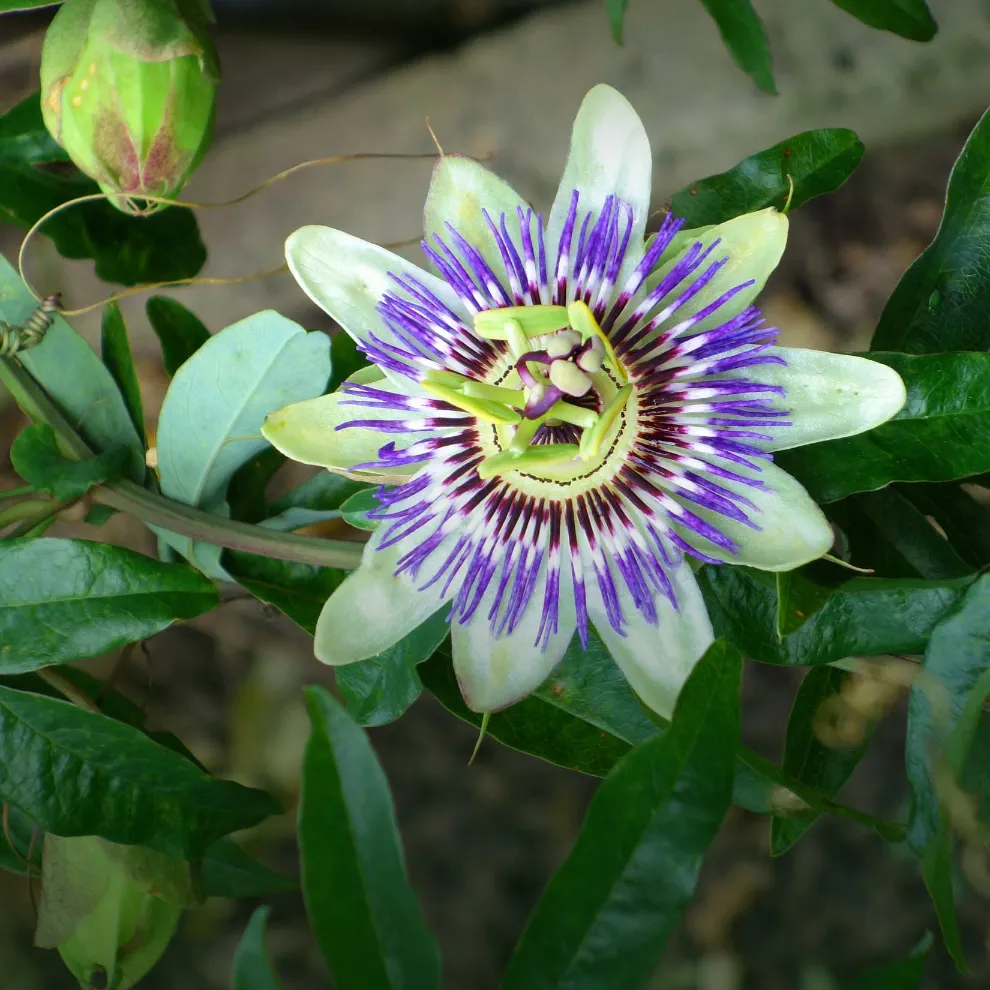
[565,414]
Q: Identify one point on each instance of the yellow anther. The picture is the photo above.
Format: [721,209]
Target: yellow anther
[583,320]
[592,439]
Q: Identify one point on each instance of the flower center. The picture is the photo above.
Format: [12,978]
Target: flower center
[558,354]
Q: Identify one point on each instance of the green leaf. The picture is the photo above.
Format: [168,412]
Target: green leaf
[743,34]
[797,601]
[36,176]
[324,491]
[378,690]
[20,844]
[73,376]
[65,600]
[253,968]
[206,432]
[180,332]
[909,18]
[246,493]
[605,915]
[117,356]
[906,974]
[228,871]
[936,868]
[360,905]
[861,617]
[14,5]
[942,300]
[940,706]
[77,773]
[941,434]
[616,10]
[356,508]
[816,161]
[37,459]
[346,359]
[964,520]
[807,760]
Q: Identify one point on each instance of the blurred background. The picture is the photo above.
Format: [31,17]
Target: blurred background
[501,79]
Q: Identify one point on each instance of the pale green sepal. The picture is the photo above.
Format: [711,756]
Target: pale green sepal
[609,155]
[494,672]
[656,660]
[347,278]
[307,432]
[827,396]
[753,244]
[793,530]
[373,609]
[459,191]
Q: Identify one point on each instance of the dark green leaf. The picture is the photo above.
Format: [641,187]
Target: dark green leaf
[360,905]
[324,491]
[37,459]
[941,302]
[903,975]
[941,434]
[862,617]
[20,843]
[936,867]
[743,34]
[228,871]
[823,768]
[180,333]
[616,10]
[117,356]
[36,177]
[817,161]
[99,515]
[964,520]
[346,359]
[356,508]
[797,601]
[378,690]
[73,376]
[246,491]
[946,701]
[893,529]
[909,18]
[298,590]
[605,916]
[10,5]
[64,600]
[252,966]
[77,773]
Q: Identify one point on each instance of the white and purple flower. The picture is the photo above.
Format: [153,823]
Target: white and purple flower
[566,413]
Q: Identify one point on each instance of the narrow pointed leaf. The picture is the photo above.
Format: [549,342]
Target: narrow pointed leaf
[253,968]
[116,350]
[616,10]
[355,510]
[180,332]
[941,302]
[909,18]
[77,773]
[816,162]
[744,36]
[65,600]
[964,520]
[37,459]
[605,916]
[936,868]
[906,974]
[360,904]
[941,434]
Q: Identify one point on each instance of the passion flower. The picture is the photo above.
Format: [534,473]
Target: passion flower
[566,414]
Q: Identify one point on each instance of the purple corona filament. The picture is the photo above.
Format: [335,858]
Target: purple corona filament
[686,461]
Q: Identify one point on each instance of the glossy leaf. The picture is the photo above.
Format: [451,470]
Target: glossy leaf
[941,434]
[964,520]
[36,176]
[20,843]
[616,10]
[65,600]
[228,871]
[37,459]
[906,974]
[941,302]
[360,904]
[605,915]
[76,773]
[862,616]
[806,759]
[117,356]
[75,378]
[816,161]
[909,18]
[356,508]
[743,34]
[180,332]
[253,968]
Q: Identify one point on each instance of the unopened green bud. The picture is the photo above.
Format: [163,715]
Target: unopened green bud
[128,88]
[109,910]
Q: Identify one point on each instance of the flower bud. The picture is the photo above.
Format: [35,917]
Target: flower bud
[128,88]
[109,910]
